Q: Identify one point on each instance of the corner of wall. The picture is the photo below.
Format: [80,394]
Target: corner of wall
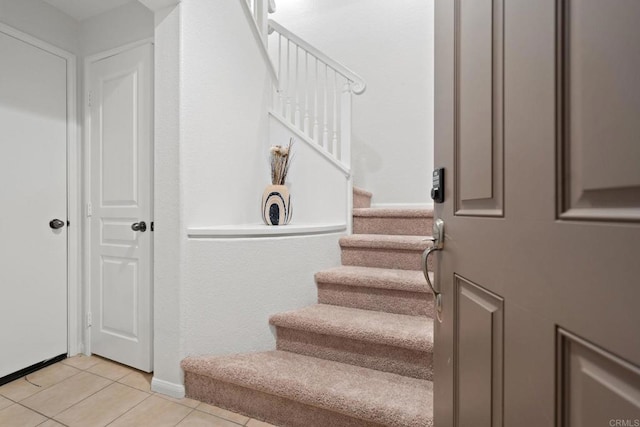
[168,236]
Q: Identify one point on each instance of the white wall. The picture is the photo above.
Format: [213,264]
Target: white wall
[225,88]
[214,296]
[117,27]
[232,286]
[42,21]
[390,44]
[318,188]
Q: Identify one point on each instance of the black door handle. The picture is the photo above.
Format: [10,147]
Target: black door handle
[139,226]
[56,224]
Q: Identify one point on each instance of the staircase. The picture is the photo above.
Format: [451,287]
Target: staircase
[362,356]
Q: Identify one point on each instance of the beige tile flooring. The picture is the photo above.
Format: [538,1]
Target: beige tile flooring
[91,391]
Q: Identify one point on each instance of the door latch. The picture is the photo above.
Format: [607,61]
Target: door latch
[438,243]
[139,226]
[56,224]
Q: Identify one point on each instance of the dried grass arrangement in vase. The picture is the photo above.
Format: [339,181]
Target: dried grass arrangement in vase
[276,200]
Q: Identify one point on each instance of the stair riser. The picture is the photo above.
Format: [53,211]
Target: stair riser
[361,201]
[384,258]
[387,300]
[263,406]
[397,360]
[397,226]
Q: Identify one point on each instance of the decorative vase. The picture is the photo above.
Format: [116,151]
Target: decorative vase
[276,205]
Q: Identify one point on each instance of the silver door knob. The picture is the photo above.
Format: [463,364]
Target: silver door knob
[56,224]
[139,226]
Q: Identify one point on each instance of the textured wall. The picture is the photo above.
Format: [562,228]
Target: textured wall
[225,88]
[232,286]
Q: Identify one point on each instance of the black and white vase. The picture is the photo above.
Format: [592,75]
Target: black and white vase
[276,205]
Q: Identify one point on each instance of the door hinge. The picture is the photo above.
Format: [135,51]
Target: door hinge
[90,98]
[89,319]
[89,210]
[152,226]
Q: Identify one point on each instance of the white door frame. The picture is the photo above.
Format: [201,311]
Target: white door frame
[74,231]
[86,261]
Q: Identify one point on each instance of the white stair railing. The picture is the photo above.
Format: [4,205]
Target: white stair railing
[313,94]
[259,10]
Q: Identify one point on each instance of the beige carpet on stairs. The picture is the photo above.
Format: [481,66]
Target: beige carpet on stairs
[376,398]
[362,357]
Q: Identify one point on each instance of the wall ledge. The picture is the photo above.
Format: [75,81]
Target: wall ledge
[261,230]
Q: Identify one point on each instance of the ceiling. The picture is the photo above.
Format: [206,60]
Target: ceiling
[83,9]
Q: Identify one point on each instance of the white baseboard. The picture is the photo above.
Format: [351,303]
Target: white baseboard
[165,387]
[426,205]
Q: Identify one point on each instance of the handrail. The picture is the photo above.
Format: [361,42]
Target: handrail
[256,34]
[345,169]
[357,86]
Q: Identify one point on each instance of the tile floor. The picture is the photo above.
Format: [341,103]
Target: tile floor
[90,392]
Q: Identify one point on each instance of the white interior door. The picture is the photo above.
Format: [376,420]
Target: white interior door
[33,173]
[121,190]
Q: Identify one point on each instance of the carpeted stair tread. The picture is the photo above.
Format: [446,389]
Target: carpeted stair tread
[380,278]
[379,397]
[382,241]
[361,198]
[394,221]
[362,192]
[393,213]
[399,330]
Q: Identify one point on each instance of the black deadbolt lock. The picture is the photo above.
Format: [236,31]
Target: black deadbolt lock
[437,187]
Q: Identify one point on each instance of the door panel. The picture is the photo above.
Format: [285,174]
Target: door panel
[123,272]
[594,386]
[33,173]
[564,254]
[478,117]
[479,351]
[475,95]
[598,104]
[121,126]
[119,145]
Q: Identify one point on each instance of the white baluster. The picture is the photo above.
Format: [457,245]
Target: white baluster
[334,141]
[287,113]
[296,120]
[345,124]
[306,93]
[315,105]
[325,133]
[277,102]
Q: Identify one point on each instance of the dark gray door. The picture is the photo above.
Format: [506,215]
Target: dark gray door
[538,127]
